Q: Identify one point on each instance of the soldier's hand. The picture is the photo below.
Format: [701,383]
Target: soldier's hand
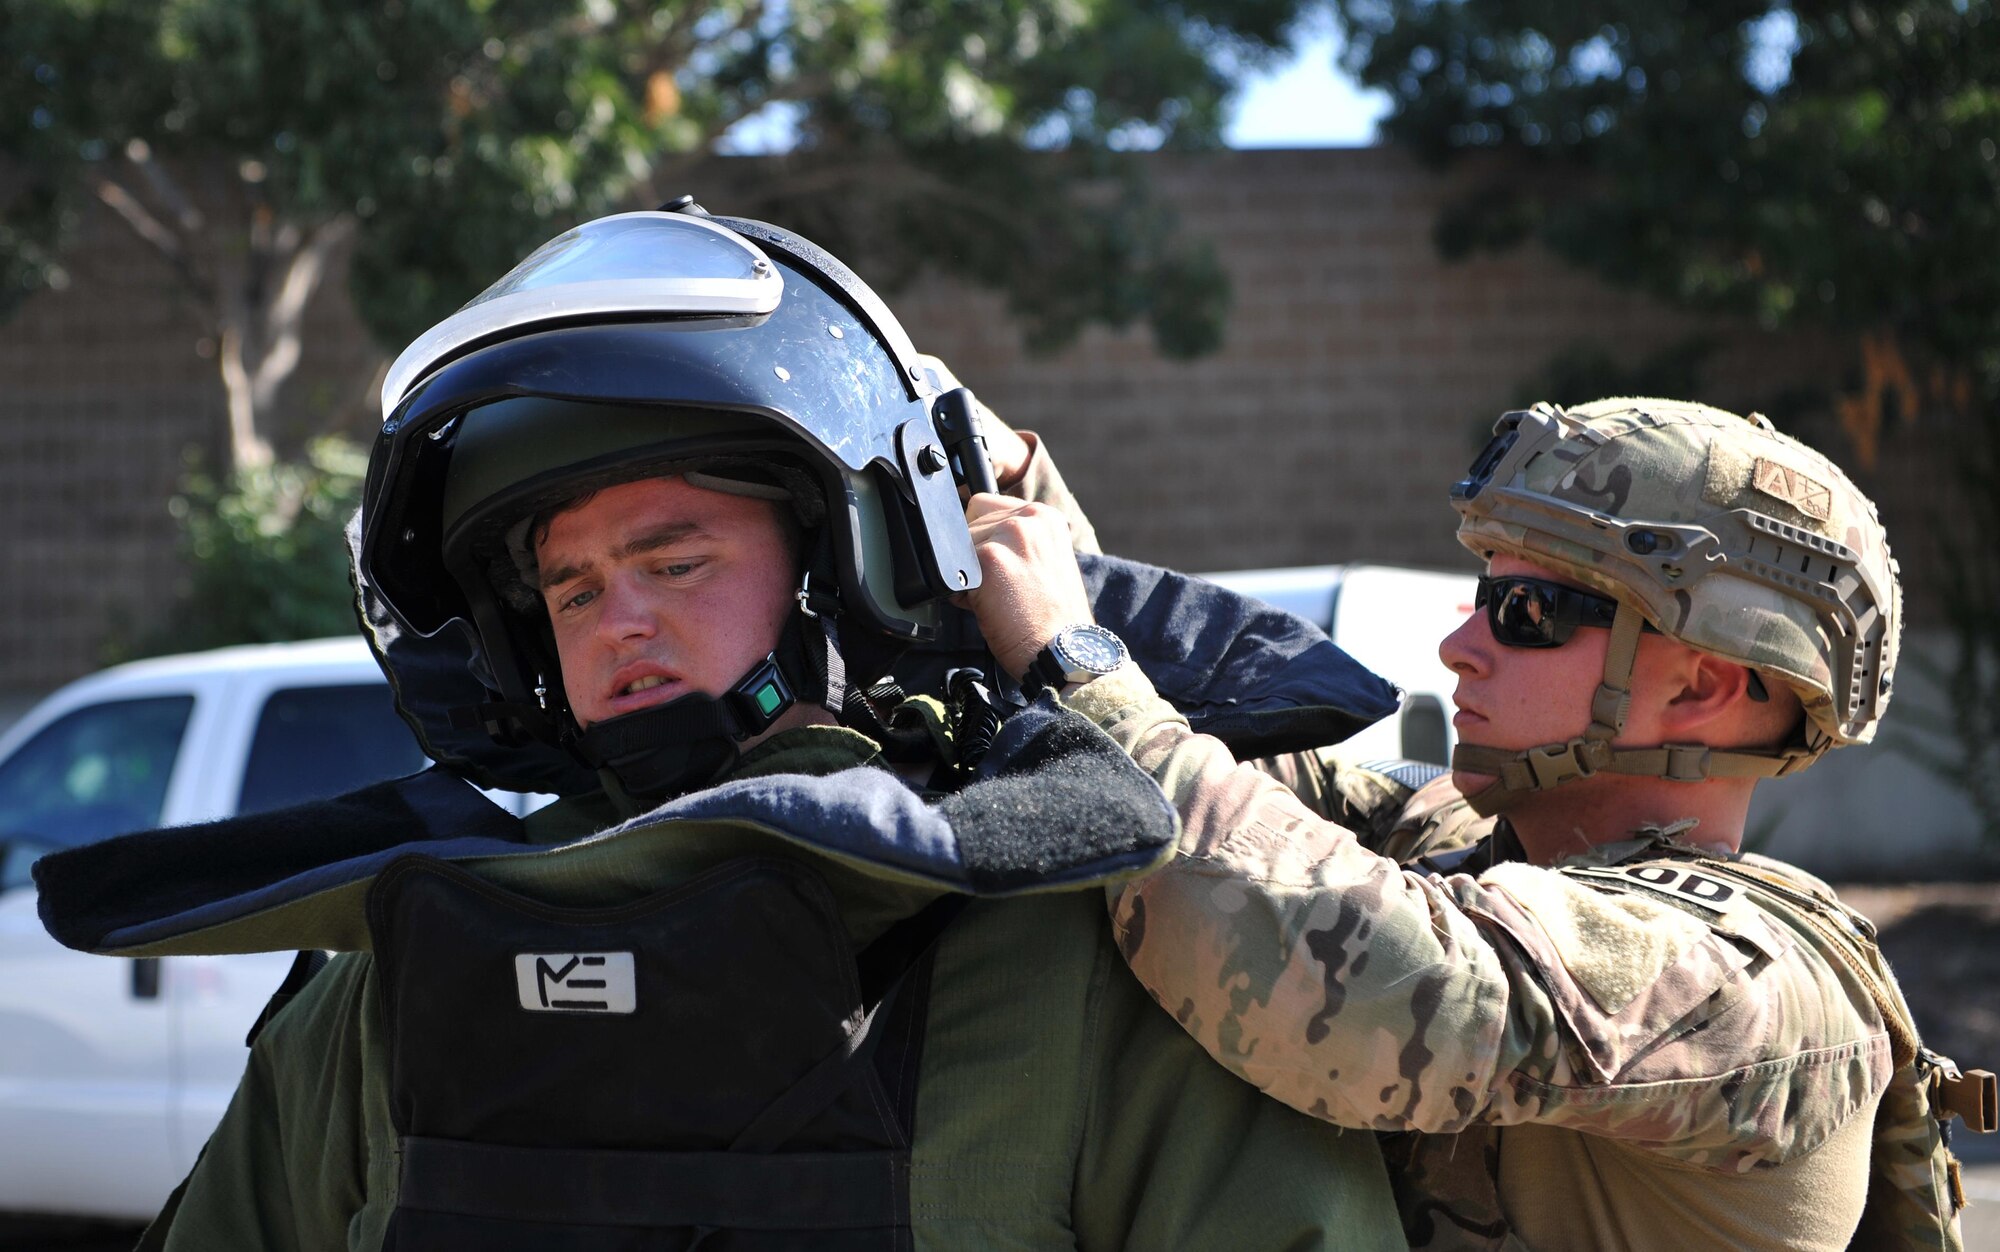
[1030,585]
[1005,448]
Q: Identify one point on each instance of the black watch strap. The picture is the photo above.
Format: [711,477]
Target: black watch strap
[1045,673]
[1076,654]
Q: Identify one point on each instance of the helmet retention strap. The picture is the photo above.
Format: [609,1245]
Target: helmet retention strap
[820,607]
[1517,775]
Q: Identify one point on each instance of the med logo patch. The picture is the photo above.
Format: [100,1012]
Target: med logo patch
[576,982]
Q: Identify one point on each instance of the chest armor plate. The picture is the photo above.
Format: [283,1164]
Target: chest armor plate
[709,1064]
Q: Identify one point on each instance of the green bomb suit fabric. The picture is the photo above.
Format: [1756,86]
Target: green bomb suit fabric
[1058,1106]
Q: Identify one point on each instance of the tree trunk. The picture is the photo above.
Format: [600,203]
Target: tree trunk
[253,310]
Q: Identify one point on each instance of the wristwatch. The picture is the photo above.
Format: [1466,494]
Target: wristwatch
[1077,654]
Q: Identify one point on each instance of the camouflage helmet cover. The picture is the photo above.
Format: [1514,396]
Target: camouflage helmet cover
[1728,536]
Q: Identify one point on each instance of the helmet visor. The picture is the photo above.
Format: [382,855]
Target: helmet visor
[634,263]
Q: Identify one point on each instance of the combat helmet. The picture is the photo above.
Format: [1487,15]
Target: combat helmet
[731,352]
[1720,532]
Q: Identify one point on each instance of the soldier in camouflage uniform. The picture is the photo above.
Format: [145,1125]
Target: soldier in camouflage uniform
[1603,1026]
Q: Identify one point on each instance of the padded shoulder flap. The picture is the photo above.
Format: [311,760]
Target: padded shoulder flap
[1056,806]
[1260,679]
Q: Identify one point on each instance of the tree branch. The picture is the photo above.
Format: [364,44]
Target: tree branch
[171,246]
[281,319]
[247,449]
[169,192]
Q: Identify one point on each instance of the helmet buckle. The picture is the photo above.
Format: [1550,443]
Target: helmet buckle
[1554,764]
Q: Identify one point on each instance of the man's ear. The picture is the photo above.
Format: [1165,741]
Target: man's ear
[1711,693]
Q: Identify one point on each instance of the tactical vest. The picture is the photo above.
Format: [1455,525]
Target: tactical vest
[1448,1187]
[1915,1192]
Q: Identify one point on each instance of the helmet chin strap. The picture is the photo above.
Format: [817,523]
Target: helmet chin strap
[1520,774]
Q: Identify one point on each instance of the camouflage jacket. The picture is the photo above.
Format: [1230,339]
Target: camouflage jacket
[1390,817]
[1721,1057]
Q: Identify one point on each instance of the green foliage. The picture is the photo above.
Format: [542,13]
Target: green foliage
[968,136]
[265,552]
[1809,164]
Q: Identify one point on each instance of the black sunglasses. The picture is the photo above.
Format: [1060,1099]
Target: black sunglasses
[1536,613]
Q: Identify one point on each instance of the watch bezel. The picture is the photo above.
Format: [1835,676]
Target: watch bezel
[1075,668]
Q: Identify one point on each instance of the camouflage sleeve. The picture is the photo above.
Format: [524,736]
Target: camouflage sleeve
[1388,817]
[1374,997]
[1041,482]
[1919,1205]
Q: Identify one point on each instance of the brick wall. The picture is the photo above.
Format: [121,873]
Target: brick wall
[1359,375]
[1356,372]
[109,387]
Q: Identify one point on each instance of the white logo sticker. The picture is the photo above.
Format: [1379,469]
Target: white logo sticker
[576,982]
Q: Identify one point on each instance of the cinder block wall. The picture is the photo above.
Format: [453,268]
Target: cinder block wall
[1357,374]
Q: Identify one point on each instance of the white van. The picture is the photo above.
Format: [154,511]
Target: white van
[112,1071]
[1391,620]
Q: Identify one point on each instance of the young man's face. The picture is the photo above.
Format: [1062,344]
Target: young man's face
[657,589]
[1521,697]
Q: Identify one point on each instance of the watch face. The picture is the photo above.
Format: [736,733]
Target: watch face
[1091,649]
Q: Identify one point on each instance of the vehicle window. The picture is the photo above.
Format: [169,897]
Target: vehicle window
[93,772]
[315,742]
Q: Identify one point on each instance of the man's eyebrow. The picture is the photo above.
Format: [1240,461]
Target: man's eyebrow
[646,541]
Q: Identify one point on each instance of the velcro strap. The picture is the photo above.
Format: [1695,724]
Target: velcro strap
[1973,1097]
[727,1190]
[1694,762]
[1676,762]
[1614,695]
[1687,762]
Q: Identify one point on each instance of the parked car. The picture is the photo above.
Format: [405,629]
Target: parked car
[112,1071]
[1391,620]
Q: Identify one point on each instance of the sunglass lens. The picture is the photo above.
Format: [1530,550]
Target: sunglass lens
[1523,614]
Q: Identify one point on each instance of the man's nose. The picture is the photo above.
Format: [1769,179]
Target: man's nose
[628,612]
[1468,650]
